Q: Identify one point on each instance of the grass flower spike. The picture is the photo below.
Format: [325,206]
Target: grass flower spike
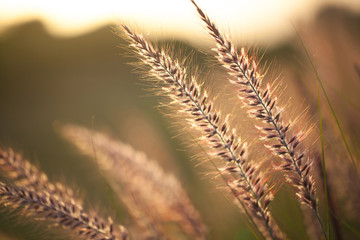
[67,215]
[24,174]
[152,196]
[263,106]
[284,172]
[37,197]
[248,185]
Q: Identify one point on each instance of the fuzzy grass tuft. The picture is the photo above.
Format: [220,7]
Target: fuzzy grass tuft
[247,185]
[263,106]
[152,196]
[158,206]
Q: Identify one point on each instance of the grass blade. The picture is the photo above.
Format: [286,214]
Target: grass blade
[323,163]
[326,96]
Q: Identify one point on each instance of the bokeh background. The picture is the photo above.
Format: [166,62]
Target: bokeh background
[60,63]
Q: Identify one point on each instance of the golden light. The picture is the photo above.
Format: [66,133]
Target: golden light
[250,20]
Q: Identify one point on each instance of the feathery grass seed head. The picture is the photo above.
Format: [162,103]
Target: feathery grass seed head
[42,206]
[24,174]
[263,106]
[186,94]
[152,196]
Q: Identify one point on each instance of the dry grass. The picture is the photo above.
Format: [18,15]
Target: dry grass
[263,105]
[39,199]
[152,196]
[158,205]
[24,174]
[247,184]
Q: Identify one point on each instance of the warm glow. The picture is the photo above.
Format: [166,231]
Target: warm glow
[249,20]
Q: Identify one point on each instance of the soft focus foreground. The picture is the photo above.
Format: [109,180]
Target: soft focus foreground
[47,82]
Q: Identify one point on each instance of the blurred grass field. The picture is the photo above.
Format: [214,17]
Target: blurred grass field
[86,80]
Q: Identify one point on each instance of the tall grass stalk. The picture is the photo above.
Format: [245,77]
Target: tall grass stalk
[263,106]
[252,225]
[323,163]
[327,99]
[152,196]
[187,95]
[157,204]
[23,173]
[44,207]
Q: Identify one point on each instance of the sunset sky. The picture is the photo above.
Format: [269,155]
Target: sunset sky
[248,20]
